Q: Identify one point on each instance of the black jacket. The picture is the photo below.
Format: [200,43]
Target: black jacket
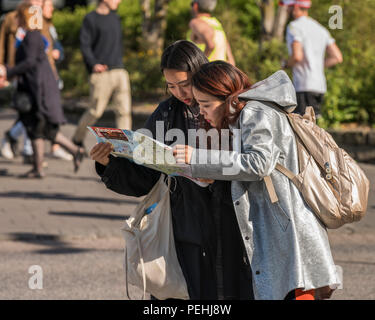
[35,76]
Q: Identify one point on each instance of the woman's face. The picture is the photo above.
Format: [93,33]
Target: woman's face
[210,107]
[48,9]
[179,84]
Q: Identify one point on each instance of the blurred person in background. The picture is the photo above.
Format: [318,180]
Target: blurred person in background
[36,82]
[55,53]
[208,33]
[311,49]
[8,46]
[102,50]
[8,30]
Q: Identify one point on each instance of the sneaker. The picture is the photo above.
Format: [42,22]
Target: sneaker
[6,150]
[13,143]
[60,153]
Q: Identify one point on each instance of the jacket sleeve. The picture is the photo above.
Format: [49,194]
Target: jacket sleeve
[86,38]
[257,159]
[126,177]
[32,42]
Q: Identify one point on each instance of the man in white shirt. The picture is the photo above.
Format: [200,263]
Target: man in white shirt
[311,49]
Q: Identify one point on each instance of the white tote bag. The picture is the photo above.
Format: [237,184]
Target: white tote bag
[150,254]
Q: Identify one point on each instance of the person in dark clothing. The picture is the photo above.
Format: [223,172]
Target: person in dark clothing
[197,211]
[102,50]
[37,83]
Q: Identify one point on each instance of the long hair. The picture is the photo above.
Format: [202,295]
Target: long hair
[29,18]
[225,82]
[183,55]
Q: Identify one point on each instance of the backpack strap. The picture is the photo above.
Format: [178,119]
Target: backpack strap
[269,184]
[270,189]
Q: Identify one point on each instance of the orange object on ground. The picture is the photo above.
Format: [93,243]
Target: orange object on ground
[305,295]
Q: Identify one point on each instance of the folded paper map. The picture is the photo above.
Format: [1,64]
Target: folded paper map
[143,150]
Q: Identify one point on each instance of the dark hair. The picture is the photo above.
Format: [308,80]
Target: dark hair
[225,82]
[183,55]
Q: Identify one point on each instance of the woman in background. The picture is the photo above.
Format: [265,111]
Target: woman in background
[37,83]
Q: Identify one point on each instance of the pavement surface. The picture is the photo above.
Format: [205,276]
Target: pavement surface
[70,225]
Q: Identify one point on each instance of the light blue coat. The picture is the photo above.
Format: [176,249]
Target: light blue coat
[286,244]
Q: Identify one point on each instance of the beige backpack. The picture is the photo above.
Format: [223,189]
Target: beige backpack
[330,181]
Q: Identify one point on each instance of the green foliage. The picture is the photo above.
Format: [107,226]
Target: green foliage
[350,96]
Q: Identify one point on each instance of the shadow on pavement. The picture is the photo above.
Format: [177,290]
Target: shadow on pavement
[62,250]
[57,246]
[356,262]
[61,197]
[88,215]
[72,177]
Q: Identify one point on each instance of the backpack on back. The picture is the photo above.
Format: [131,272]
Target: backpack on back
[330,181]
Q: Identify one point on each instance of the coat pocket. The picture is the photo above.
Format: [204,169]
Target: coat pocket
[280,215]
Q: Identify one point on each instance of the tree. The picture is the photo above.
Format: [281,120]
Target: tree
[154,23]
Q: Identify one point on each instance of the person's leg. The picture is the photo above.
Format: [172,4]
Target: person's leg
[38,154]
[76,151]
[100,93]
[27,147]
[17,130]
[9,144]
[35,125]
[301,103]
[122,99]
[315,100]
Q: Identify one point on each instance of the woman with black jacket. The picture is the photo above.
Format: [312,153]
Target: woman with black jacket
[196,210]
[37,85]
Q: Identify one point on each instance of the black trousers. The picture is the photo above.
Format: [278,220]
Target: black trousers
[307,99]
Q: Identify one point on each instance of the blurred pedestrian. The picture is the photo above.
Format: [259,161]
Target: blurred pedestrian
[55,53]
[37,84]
[208,33]
[308,42]
[9,41]
[102,50]
[8,31]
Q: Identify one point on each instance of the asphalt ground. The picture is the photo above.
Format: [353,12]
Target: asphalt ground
[70,226]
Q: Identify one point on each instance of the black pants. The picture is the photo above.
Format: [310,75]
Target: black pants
[307,99]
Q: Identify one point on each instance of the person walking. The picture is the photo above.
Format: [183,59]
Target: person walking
[55,54]
[36,82]
[208,33]
[8,35]
[211,271]
[9,41]
[102,50]
[286,245]
[311,50]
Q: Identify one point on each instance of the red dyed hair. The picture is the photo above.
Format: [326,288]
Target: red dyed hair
[225,82]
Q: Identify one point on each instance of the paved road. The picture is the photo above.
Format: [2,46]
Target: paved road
[70,226]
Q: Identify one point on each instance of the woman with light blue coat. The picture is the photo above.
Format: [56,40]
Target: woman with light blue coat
[286,244]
